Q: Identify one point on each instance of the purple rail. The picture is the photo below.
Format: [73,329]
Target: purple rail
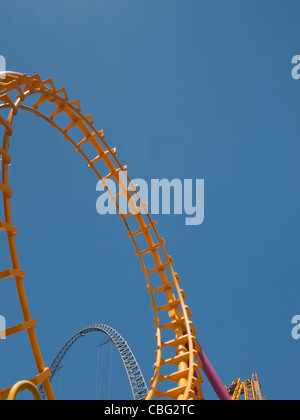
[213,377]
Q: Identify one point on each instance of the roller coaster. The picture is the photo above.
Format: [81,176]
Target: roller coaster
[179,360]
[137,382]
[250,389]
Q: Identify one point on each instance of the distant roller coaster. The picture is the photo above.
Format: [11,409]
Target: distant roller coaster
[137,382]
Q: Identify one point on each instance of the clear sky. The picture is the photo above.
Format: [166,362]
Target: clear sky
[184,89]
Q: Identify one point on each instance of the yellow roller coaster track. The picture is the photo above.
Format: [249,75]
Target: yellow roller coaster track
[250,389]
[177,359]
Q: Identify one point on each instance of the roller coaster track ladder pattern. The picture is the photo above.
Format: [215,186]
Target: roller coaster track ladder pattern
[250,389]
[137,382]
[177,368]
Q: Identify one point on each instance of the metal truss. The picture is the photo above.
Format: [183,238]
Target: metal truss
[137,382]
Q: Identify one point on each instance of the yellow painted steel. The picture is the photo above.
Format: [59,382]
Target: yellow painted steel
[24,386]
[250,389]
[41,378]
[184,381]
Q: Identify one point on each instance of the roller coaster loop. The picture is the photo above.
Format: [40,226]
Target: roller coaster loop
[177,369]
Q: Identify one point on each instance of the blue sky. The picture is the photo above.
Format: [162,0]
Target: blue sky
[184,89]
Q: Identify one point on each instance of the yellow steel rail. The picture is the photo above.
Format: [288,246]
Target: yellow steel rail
[183,347]
[24,386]
[250,389]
